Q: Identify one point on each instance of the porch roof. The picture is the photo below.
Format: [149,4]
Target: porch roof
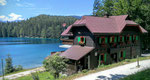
[76,52]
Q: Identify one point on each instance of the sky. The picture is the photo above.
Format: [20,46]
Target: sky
[11,10]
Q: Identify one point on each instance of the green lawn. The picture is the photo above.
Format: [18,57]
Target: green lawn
[42,76]
[47,76]
[143,75]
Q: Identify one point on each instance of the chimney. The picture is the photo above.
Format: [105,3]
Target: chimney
[106,15]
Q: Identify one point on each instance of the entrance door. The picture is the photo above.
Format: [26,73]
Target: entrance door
[114,57]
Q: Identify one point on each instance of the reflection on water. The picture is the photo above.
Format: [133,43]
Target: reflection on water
[28,52]
[13,41]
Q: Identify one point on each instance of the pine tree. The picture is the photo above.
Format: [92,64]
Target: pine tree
[8,67]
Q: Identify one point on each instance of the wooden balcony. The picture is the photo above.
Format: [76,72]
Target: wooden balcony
[67,41]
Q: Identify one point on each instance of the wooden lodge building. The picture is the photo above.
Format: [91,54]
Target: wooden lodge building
[102,40]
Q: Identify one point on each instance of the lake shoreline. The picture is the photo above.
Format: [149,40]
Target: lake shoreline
[28,52]
[32,37]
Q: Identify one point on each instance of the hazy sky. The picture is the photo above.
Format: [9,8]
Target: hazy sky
[22,9]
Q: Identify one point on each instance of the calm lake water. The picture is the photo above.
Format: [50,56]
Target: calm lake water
[28,52]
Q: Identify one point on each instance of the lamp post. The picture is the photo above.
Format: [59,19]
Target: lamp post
[138,61]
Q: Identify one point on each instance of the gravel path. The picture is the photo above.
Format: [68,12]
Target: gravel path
[117,72]
[14,76]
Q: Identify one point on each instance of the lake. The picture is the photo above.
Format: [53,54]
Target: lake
[28,52]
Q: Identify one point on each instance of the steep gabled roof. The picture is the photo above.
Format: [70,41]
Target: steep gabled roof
[113,24]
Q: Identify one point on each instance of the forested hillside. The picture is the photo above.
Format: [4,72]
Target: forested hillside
[42,26]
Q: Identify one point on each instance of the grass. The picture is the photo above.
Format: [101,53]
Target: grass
[104,67]
[45,75]
[18,71]
[143,75]
[42,76]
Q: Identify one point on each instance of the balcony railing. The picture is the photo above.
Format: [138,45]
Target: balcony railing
[67,41]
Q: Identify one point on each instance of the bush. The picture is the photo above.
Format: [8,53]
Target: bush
[85,70]
[9,68]
[35,76]
[55,64]
[127,60]
[18,68]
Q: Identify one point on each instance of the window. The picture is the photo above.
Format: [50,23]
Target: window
[81,40]
[123,54]
[135,37]
[121,38]
[113,39]
[102,58]
[129,38]
[103,40]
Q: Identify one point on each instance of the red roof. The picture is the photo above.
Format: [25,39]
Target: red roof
[76,52]
[113,24]
[66,32]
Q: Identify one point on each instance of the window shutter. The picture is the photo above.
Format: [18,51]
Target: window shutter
[119,38]
[124,54]
[84,39]
[119,54]
[100,40]
[105,57]
[99,59]
[110,39]
[137,37]
[106,39]
[79,39]
[122,38]
[133,37]
[130,38]
[115,39]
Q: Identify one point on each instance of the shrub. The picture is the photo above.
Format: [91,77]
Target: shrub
[18,68]
[127,60]
[9,68]
[35,76]
[85,70]
[55,64]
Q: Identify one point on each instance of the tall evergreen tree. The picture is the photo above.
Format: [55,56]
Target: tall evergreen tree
[8,67]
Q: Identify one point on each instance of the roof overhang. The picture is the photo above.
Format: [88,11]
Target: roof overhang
[142,30]
[76,52]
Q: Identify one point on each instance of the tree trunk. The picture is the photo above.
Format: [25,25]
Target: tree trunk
[56,75]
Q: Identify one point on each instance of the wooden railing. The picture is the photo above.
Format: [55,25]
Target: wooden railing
[67,41]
